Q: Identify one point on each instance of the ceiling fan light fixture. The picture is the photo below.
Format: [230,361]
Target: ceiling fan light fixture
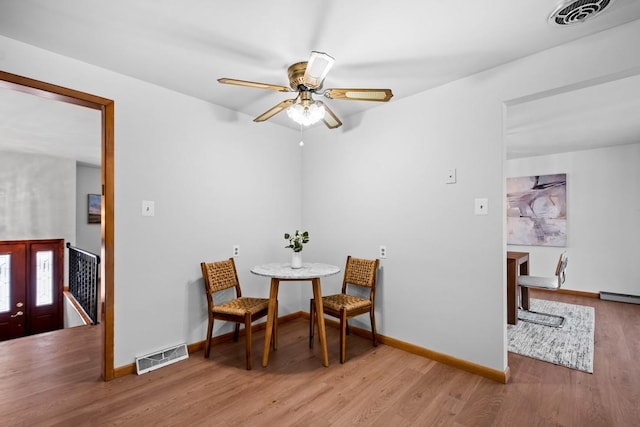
[306,115]
[318,66]
[306,79]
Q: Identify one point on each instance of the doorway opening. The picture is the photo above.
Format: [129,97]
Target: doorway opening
[106,108]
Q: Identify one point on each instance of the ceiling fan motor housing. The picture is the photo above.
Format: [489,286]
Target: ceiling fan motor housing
[296,75]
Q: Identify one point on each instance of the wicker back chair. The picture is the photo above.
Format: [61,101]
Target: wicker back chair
[358,272]
[221,275]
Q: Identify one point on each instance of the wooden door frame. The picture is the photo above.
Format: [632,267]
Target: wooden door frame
[106,107]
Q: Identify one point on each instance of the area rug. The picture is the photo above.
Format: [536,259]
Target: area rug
[570,346]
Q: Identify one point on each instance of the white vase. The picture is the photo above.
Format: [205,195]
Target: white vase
[296,260]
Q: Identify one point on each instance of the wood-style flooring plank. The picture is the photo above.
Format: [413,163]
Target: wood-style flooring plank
[53,379]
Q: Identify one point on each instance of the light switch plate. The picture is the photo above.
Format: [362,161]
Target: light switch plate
[148,208]
[482,206]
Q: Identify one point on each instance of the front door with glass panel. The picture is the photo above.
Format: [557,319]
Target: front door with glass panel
[30,287]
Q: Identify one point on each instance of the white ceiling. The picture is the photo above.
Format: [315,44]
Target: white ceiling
[597,116]
[37,125]
[408,46]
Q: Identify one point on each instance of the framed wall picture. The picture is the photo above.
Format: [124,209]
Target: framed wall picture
[94,209]
[537,210]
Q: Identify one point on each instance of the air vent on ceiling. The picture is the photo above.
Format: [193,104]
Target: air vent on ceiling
[152,361]
[574,11]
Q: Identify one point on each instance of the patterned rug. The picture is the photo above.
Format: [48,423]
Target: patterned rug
[570,346]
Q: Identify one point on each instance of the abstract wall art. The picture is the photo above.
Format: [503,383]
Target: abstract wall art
[537,210]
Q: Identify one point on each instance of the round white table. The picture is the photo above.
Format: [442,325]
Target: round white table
[279,272]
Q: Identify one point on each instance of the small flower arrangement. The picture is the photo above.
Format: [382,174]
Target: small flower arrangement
[297,240]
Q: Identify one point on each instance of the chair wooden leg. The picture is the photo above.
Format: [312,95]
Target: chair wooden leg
[236,332]
[312,317]
[207,345]
[524,297]
[247,333]
[374,333]
[343,335]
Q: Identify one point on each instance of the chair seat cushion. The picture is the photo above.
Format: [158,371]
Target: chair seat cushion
[242,305]
[538,282]
[349,302]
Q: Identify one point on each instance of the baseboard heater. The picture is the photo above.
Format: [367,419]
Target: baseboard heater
[612,296]
[153,361]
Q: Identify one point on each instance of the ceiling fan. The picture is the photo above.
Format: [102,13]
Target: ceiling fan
[306,79]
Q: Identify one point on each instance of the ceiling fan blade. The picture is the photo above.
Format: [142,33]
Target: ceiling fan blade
[274,110]
[330,119]
[380,95]
[257,85]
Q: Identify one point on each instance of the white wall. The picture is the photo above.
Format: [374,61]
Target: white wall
[37,197]
[603,218]
[382,181]
[219,179]
[88,236]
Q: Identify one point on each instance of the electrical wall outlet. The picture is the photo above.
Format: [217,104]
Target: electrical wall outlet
[236,250]
[383,251]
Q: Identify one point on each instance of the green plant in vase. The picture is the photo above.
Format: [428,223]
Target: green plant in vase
[297,240]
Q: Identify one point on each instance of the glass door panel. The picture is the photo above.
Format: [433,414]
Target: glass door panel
[44,278]
[45,285]
[5,283]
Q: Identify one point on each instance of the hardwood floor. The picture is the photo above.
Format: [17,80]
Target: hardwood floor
[55,380]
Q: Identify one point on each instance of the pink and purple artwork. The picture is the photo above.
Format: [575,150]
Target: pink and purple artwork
[537,210]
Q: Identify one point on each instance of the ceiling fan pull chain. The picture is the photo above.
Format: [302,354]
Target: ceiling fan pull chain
[301,143]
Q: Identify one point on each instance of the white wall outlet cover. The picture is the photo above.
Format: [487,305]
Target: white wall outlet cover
[450,177]
[482,206]
[236,250]
[148,208]
[383,251]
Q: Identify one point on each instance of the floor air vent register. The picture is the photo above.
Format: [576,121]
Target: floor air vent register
[153,361]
